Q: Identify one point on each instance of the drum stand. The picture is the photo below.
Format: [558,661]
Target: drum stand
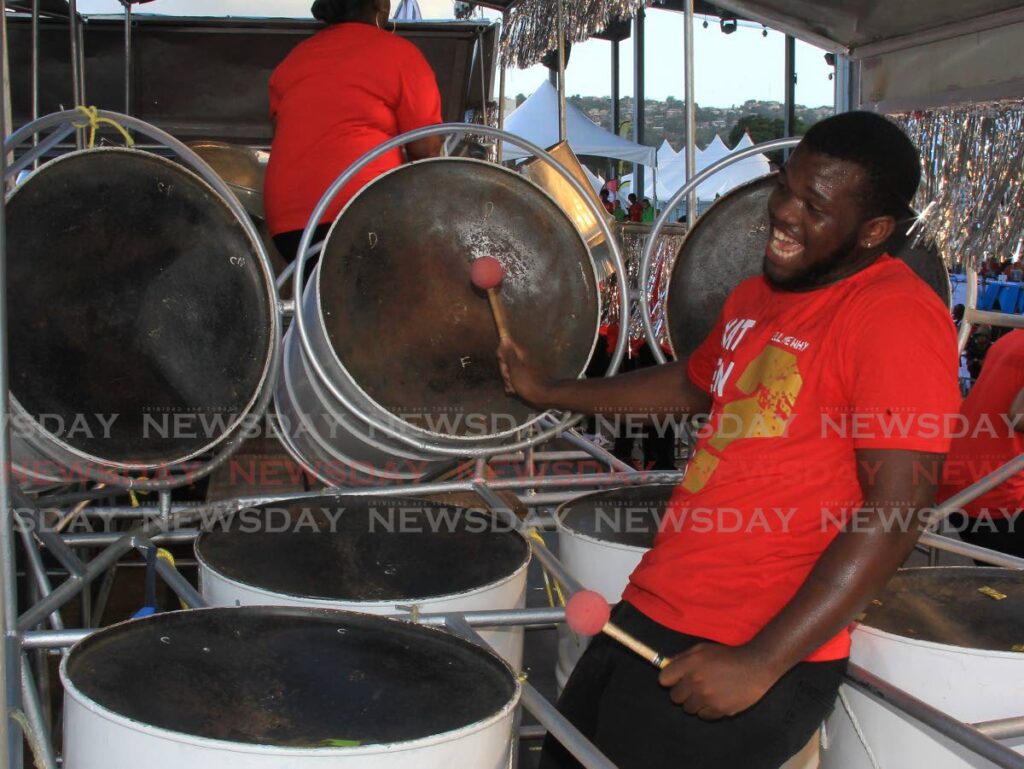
[166,523]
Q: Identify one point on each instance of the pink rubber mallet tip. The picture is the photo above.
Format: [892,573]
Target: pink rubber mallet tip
[486,273]
[587,612]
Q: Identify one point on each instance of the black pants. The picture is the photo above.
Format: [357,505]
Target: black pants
[614,698]
[287,244]
[659,451]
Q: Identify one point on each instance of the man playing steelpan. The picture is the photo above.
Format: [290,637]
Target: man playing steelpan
[806,487]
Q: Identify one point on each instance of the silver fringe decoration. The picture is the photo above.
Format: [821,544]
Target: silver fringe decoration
[533,26]
[633,239]
[972,194]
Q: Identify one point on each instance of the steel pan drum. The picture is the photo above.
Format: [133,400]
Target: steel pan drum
[945,636]
[137,298]
[266,688]
[601,539]
[397,324]
[726,246]
[242,168]
[370,555]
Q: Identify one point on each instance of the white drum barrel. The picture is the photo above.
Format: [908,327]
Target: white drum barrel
[947,637]
[397,327]
[372,555]
[269,688]
[601,539]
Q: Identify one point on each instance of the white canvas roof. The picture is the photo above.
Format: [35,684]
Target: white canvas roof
[536,120]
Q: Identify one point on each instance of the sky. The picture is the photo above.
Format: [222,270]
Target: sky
[730,69]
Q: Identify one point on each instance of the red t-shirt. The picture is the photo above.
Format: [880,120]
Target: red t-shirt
[985,438]
[335,97]
[799,382]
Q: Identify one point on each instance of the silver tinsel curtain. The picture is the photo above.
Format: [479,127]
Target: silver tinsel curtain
[972,194]
[533,26]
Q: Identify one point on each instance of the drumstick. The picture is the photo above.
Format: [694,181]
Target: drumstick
[587,613]
[487,274]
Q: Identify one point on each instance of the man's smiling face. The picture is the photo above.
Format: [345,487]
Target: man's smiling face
[817,215]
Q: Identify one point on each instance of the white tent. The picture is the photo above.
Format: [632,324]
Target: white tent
[536,120]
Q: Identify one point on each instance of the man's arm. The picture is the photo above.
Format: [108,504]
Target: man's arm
[712,681]
[664,389]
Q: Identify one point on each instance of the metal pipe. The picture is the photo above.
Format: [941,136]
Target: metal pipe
[563,131]
[127,56]
[639,112]
[58,639]
[1002,728]
[691,110]
[75,584]
[501,83]
[545,556]
[181,586]
[558,725]
[49,539]
[946,725]
[950,545]
[10,741]
[38,570]
[180,536]
[572,436]
[532,732]
[789,87]
[977,489]
[35,70]
[38,150]
[76,75]
[616,108]
[35,715]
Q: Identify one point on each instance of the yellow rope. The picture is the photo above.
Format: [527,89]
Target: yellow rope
[94,122]
[549,581]
[165,555]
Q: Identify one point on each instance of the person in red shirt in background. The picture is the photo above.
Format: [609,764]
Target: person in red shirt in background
[636,210]
[336,96]
[991,435]
[802,497]
[608,205]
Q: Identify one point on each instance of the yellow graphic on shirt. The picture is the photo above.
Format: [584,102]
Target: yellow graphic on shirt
[773,381]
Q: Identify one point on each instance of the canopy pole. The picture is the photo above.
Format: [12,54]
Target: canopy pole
[638,97]
[790,83]
[691,111]
[563,133]
[501,87]
[616,111]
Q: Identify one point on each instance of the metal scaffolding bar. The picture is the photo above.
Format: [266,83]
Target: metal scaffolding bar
[557,725]
[961,733]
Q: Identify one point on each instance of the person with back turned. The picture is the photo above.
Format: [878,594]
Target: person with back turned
[801,499]
[336,96]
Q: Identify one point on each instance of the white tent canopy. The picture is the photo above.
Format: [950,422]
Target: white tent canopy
[536,120]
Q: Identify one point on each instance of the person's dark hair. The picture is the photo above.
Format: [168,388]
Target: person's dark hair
[340,11]
[632,197]
[880,147]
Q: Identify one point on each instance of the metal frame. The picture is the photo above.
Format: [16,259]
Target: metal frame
[18,687]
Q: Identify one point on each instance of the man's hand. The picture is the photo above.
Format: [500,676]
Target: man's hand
[522,378]
[711,681]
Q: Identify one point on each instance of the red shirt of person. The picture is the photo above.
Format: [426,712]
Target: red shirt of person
[636,209]
[990,434]
[335,97]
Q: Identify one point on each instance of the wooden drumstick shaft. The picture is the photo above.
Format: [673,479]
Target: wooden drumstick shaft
[498,310]
[635,645]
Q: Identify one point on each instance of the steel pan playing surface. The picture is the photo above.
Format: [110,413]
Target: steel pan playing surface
[289,677]
[626,516]
[363,549]
[945,605]
[133,291]
[404,319]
